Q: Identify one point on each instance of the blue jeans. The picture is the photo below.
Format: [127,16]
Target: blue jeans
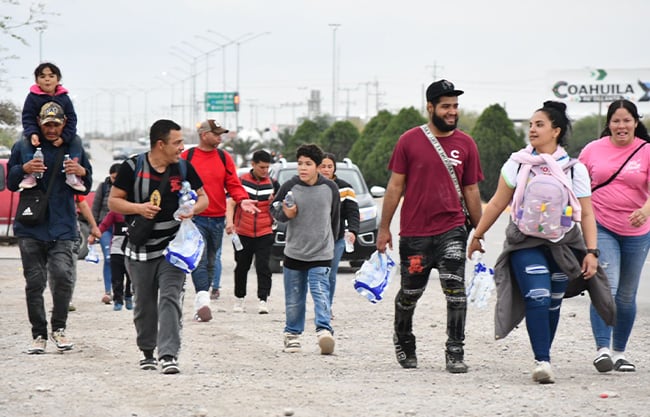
[212,230]
[622,258]
[339,247]
[295,297]
[216,280]
[105,243]
[542,284]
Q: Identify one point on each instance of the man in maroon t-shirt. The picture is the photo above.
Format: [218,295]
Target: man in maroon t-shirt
[432,220]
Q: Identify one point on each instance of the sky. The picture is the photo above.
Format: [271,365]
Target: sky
[129,63]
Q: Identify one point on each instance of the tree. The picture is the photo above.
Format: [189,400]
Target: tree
[496,139]
[584,131]
[466,120]
[243,148]
[369,136]
[9,113]
[375,166]
[339,139]
[307,132]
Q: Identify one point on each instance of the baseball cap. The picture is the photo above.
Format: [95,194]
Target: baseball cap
[211,126]
[51,112]
[442,88]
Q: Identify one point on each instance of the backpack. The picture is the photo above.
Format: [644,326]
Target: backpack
[137,163]
[545,211]
[222,156]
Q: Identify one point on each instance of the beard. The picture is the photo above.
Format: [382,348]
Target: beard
[441,125]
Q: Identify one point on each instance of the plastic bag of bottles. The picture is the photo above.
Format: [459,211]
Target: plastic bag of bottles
[186,200]
[93,254]
[373,277]
[482,284]
[185,250]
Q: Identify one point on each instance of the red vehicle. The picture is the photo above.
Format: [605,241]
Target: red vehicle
[9,202]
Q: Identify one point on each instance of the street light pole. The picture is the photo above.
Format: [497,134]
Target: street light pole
[334,27]
[192,63]
[237,80]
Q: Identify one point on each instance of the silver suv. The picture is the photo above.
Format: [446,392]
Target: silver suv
[365,244]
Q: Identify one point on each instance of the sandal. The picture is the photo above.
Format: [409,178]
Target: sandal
[623,365]
[603,363]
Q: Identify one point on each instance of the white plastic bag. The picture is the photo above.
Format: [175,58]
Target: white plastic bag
[185,250]
[92,255]
[482,284]
[373,277]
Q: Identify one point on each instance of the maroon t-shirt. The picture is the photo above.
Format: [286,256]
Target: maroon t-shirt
[431,205]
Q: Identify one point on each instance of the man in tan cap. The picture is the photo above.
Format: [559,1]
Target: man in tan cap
[219,174]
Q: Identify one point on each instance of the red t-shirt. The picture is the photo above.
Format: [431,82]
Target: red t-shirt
[216,181]
[431,205]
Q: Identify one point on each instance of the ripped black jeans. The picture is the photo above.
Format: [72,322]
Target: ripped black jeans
[418,255]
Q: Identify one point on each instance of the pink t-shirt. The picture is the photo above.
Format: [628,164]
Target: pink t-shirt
[614,202]
[431,205]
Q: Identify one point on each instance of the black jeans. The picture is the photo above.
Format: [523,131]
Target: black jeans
[260,247]
[43,263]
[418,255]
[118,273]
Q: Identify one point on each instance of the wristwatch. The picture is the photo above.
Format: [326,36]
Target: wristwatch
[595,252]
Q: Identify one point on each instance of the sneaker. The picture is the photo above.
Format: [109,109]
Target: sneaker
[623,365]
[38,345]
[292,343]
[106,299]
[214,295]
[128,303]
[61,342]
[117,306]
[148,364]
[169,365]
[239,306]
[326,341]
[263,307]
[203,314]
[405,351]
[454,360]
[75,182]
[603,362]
[28,182]
[71,307]
[543,373]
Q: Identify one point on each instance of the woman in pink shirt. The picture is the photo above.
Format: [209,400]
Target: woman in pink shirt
[622,207]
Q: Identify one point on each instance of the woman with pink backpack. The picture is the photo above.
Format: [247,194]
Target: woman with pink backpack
[546,256]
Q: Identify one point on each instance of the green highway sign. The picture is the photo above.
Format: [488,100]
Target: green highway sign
[222,101]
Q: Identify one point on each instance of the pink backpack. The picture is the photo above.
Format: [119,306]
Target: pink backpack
[545,211]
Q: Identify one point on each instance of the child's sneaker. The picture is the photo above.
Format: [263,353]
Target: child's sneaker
[28,182]
[75,182]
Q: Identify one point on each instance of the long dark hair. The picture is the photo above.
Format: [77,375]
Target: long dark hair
[556,112]
[640,132]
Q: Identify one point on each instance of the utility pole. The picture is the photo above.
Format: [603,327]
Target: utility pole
[334,27]
[347,100]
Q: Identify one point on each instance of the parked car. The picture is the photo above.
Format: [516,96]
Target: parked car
[9,204]
[365,244]
[121,154]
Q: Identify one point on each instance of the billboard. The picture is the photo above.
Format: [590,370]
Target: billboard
[601,85]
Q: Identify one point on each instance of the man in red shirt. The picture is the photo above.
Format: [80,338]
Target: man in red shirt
[219,175]
[432,220]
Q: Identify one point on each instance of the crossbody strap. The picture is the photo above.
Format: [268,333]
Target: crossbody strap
[610,179]
[445,160]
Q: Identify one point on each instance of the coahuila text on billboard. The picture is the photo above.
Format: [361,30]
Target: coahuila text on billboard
[592,92]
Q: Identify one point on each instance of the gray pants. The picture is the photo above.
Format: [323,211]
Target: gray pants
[157,313]
[45,262]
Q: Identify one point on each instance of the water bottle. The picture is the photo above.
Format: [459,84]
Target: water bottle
[237,242]
[92,255]
[290,200]
[38,155]
[187,199]
[349,246]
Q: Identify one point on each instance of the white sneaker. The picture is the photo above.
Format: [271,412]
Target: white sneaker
[325,341]
[292,343]
[28,182]
[263,307]
[543,373]
[38,345]
[239,306]
[75,182]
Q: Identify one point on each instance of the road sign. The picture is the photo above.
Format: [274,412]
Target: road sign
[222,101]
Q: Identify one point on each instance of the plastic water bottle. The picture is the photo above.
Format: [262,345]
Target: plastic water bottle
[237,242]
[92,255]
[38,155]
[290,200]
[349,246]
[186,201]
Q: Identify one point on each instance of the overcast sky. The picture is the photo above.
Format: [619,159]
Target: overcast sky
[113,54]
